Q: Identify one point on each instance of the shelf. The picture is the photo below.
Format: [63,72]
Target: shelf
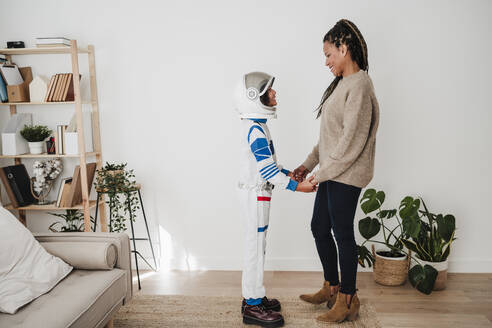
[45,155]
[51,207]
[38,51]
[43,103]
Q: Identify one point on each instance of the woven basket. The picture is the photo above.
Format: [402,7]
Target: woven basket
[390,272]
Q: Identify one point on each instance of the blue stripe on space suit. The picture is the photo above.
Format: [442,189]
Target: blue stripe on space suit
[261,146]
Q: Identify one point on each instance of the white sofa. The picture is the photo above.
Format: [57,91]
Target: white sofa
[84,298]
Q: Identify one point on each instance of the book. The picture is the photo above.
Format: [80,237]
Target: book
[63,129]
[10,193]
[4,97]
[59,140]
[75,197]
[52,41]
[20,183]
[52,45]
[59,86]
[64,188]
[66,82]
[67,85]
[49,88]
[53,89]
[70,92]
[65,197]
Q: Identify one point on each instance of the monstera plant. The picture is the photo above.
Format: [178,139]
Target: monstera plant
[430,236]
[430,240]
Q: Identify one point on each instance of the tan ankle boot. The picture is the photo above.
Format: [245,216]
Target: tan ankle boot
[323,295]
[341,311]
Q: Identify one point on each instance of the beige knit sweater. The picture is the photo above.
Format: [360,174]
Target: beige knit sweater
[347,140]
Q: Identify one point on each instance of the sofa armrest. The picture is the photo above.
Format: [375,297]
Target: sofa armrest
[120,240]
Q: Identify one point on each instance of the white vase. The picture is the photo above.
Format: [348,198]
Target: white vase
[36,147]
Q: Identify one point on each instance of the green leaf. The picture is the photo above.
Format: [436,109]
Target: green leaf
[411,225]
[423,278]
[416,275]
[372,200]
[369,227]
[410,245]
[364,255]
[446,226]
[409,207]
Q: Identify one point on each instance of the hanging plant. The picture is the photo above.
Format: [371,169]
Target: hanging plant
[119,184]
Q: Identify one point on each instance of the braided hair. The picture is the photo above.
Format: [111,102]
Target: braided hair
[345,32]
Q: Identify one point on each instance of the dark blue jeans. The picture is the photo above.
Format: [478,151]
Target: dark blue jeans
[334,209]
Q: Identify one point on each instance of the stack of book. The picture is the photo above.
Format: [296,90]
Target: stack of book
[60,88]
[52,42]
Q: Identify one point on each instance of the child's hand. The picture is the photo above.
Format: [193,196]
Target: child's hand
[309,185]
[300,173]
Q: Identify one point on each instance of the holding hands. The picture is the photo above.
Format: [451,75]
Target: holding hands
[299,175]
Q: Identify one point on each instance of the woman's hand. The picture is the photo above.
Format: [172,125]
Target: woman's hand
[300,173]
[308,185]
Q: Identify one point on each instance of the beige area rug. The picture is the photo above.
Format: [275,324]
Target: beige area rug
[202,311]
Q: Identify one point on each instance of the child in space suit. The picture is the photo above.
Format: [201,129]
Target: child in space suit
[259,172]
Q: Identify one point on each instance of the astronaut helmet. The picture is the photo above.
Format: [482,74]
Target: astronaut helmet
[248,92]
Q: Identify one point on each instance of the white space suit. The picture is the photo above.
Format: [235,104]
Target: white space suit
[259,171]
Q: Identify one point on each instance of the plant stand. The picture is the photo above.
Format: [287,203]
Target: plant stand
[133,239]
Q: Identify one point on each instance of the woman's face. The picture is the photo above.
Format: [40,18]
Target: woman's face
[272,100]
[335,57]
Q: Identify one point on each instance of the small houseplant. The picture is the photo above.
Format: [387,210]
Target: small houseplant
[35,135]
[119,184]
[391,262]
[73,221]
[422,276]
[430,238]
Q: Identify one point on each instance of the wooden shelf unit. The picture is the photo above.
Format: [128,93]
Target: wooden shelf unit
[51,207]
[74,52]
[42,103]
[46,50]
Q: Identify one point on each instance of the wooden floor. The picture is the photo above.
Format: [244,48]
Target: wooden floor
[466,302]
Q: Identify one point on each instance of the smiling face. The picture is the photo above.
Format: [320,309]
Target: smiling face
[269,98]
[335,57]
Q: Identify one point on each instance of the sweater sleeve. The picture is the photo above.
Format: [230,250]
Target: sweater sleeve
[356,126]
[268,169]
[313,159]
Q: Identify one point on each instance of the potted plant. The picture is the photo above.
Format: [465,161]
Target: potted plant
[390,262]
[120,186]
[73,221]
[431,241]
[422,276]
[35,136]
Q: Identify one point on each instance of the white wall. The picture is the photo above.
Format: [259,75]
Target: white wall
[166,71]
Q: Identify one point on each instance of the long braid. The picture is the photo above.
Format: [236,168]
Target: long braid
[340,34]
[362,43]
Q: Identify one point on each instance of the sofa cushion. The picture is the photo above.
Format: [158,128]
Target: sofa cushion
[82,299]
[84,256]
[26,269]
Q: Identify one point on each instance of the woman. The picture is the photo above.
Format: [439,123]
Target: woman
[349,114]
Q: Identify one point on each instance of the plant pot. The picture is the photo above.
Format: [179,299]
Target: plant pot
[36,147]
[390,271]
[442,272]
